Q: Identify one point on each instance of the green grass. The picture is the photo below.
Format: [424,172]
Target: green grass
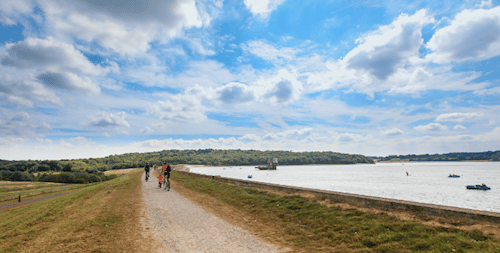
[9,191]
[95,218]
[312,227]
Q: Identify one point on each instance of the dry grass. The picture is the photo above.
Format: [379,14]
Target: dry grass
[100,218]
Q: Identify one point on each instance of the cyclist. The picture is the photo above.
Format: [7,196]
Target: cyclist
[147,171]
[166,172]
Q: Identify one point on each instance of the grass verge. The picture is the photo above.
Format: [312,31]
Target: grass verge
[305,225]
[10,191]
[102,217]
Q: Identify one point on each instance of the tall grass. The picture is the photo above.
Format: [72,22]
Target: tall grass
[309,226]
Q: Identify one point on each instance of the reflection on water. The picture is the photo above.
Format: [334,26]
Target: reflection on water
[425,182]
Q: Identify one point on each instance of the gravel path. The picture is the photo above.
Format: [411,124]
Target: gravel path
[182,226]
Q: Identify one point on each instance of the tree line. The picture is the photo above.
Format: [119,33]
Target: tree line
[209,157]
[451,157]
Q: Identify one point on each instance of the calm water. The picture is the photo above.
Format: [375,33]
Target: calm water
[426,183]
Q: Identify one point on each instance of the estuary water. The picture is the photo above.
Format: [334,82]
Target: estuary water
[426,182]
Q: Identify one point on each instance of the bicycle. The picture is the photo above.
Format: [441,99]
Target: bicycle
[166,184]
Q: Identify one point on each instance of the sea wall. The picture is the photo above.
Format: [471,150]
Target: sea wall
[366,201]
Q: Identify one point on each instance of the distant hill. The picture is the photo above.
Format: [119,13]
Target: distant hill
[460,156]
[210,157]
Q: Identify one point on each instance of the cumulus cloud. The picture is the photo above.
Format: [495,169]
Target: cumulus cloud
[126,27]
[109,120]
[12,10]
[393,132]
[22,90]
[262,8]
[234,93]
[178,108]
[390,47]
[459,127]
[21,124]
[458,116]
[432,127]
[472,35]
[280,89]
[48,54]
[69,81]
[288,134]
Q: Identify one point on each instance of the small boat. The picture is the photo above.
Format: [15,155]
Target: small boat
[249,176]
[271,165]
[453,175]
[478,187]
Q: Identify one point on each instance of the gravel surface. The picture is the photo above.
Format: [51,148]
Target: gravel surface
[181,226]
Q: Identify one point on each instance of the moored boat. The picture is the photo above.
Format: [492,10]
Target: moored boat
[478,187]
[453,175]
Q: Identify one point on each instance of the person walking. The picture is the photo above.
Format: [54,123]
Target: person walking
[146,169]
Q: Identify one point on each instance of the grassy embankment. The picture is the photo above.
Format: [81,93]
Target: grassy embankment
[305,225]
[103,217]
[10,191]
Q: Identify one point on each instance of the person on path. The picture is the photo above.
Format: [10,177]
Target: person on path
[166,173]
[160,178]
[147,170]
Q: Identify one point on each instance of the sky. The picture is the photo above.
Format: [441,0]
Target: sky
[89,78]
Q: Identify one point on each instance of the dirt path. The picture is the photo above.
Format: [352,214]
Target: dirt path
[181,226]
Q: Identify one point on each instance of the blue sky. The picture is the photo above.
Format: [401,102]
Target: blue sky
[91,78]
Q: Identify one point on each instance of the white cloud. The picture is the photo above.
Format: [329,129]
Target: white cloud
[393,132]
[282,88]
[21,124]
[432,127]
[262,8]
[21,89]
[12,10]
[69,81]
[459,127]
[234,93]
[288,134]
[123,26]
[178,108]
[390,47]
[48,54]
[147,130]
[80,140]
[472,35]
[106,120]
[268,52]
[458,116]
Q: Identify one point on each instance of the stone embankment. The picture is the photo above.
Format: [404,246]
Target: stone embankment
[367,201]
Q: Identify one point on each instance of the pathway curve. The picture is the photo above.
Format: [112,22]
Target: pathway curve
[182,226]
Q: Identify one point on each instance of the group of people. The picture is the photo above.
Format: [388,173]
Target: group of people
[164,174]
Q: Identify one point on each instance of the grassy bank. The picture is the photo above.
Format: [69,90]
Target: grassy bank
[101,217]
[308,226]
[9,191]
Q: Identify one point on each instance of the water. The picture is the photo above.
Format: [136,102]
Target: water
[427,182]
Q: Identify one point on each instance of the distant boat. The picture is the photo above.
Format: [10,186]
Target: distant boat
[271,165]
[478,187]
[249,176]
[453,175]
